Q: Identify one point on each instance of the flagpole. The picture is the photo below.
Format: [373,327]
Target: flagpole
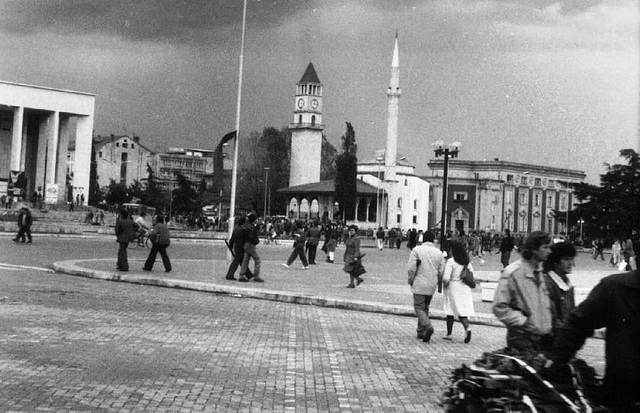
[234,171]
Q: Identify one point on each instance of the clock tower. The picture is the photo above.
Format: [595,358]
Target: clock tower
[306,130]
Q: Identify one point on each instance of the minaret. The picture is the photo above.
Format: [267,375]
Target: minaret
[392,121]
[306,130]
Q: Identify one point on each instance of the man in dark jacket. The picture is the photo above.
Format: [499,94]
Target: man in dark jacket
[615,305]
[236,245]
[250,251]
[161,239]
[24,225]
[506,246]
[125,231]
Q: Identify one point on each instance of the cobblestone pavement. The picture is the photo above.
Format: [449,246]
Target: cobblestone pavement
[73,344]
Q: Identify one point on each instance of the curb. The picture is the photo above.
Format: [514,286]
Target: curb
[71,268]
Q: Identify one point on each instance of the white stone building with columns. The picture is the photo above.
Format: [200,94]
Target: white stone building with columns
[37,124]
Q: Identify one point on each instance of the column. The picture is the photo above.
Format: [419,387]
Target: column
[51,187]
[16,140]
[82,163]
[63,148]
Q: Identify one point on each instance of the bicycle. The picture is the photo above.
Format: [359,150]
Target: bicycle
[140,241]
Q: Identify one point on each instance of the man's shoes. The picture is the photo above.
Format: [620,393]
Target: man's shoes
[467,337]
[420,336]
[146,269]
[14,240]
[447,337]
[169,270]
[29,242]
[243,279]
[257,280]
[359,281]
[427,335]
[305,268]
[351,286]
[123,269]
[22,242]
[230,278]
[285,265]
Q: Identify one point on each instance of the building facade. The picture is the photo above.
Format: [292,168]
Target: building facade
[194,164]
[121,158]
[37,126]
[498,195]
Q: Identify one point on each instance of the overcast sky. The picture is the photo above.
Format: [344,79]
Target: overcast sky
[547,82]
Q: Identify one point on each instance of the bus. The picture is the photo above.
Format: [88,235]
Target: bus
[136,209]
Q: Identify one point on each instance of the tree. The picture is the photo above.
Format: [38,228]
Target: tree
[117,193]
[328,163]
[185,197]
[347,175]
[95,194]
[152,195]
[612,209]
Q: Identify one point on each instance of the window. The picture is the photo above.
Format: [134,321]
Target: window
[508,198]
[313,120]
[123,156]
[415,219]
[524,198]
[550,201]
[299,118]
[398,218]
[117,144]
[538,182]
[133,146]
[406,182]
[125,145]
[536,199]
[415,204]
[100,154]
[509,179]
[399,202]
[523,180]
[6,121]
[460,196]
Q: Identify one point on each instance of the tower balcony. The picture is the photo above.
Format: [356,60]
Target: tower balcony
[315,126]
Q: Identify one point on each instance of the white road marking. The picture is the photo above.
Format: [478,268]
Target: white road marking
[14,267]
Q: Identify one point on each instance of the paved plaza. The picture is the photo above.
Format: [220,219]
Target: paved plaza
[76,343]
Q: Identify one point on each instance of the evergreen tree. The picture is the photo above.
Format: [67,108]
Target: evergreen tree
[613,208]
[185,198]
[347,175]
[117,193]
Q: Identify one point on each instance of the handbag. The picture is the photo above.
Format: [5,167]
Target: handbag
[358,269]
[466,276]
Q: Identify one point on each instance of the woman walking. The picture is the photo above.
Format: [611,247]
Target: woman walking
[352,257]
[458,301]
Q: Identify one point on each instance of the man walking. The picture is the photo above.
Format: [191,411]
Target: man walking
[161,239]
[236,245]
[313,240]
[425,268]
[250,251]
[506,246]
[24,226]
[521,300]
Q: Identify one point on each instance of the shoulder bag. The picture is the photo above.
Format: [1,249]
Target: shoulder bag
[466,276]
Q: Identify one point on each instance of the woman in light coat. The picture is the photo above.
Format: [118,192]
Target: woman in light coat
[458,301]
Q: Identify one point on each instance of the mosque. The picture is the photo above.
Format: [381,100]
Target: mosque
[389,193]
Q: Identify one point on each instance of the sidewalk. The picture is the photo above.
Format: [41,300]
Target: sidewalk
[322,285]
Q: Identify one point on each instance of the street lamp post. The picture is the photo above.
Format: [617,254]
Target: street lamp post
[266,185]
[448,152]
[580,221]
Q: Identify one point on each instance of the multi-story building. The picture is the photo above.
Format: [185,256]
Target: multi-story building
[37,124]
[194,164]
[498,195]
[121,158]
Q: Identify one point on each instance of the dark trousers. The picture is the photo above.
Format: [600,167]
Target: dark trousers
[233,267]
[123,263]
[21,233]
[312,253]
[504,258]
[298,251]
[155,249]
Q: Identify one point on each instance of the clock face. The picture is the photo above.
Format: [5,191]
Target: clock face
[314,103]
[300,103]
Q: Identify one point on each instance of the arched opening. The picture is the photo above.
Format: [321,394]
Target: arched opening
[313,120]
